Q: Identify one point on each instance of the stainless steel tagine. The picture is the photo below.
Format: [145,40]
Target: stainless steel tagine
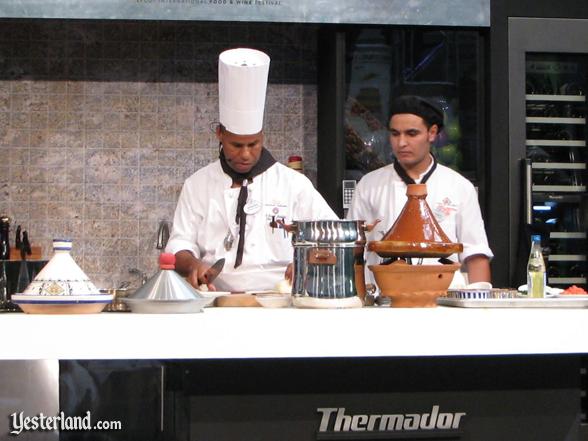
[167,292]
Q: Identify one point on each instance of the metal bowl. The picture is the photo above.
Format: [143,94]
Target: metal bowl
[117,304]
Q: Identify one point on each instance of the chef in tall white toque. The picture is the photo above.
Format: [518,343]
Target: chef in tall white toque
[225,208]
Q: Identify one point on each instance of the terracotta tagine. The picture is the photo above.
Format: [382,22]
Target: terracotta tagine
[413,285]
[416,233]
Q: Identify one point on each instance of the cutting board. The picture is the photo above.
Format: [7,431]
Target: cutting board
[37,253]
[237,299]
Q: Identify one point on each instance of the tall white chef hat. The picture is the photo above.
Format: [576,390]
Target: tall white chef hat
[242,83]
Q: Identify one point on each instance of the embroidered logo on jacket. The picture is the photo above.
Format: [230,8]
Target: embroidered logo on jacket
[444,209]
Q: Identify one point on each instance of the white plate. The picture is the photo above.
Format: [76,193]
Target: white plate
[167,306]
[21,299]
[572,296]
[212,294]
[550,291]
[316,303]
[548,295]
[273,299]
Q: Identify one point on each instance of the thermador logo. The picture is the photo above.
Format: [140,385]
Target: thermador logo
[335,420]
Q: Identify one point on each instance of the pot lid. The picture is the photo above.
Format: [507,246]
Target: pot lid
[166,284]
[416,232]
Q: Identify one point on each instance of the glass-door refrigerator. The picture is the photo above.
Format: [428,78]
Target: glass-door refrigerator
[549,137]
[442,65]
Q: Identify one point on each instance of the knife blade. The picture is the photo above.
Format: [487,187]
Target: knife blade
[18,239]
[212,272]
[25,243]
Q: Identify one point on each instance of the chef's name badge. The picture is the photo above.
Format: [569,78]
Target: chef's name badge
[252,207]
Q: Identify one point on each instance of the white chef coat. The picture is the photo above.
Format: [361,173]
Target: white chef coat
[381,194]
[206,213]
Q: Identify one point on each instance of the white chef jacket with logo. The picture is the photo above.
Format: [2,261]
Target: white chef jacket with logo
[206,213]
[381,194]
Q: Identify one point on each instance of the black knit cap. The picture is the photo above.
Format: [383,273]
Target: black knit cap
[417,105]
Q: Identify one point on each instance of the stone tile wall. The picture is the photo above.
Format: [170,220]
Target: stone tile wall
[101,122]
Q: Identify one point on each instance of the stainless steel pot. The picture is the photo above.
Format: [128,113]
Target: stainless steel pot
[327,231]
[328,258]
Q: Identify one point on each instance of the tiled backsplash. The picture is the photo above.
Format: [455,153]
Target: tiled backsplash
[101,122]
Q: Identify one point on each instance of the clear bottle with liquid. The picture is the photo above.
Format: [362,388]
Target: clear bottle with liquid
[536,279]
[4,240]
[3,287]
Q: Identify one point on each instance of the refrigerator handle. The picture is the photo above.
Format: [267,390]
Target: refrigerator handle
[528,186]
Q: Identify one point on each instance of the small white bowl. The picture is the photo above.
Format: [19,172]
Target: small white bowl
[274,300]
[479,285]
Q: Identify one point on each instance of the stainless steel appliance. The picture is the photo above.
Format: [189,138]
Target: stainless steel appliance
[30,388]
[549,131]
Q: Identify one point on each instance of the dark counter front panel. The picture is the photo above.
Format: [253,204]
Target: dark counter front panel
[461,398]
[125,391]
[481,398]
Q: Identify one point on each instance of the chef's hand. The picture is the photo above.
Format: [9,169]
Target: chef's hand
[198,274]
[192,269]
[289,273]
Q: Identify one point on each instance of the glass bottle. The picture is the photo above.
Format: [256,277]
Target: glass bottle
[4,241]
[3,287]
[536,269]
[295,163]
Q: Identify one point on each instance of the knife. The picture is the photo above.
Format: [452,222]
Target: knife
[25,243]
[18,239]
[212,272]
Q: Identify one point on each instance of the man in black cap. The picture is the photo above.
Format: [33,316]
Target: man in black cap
[414,125]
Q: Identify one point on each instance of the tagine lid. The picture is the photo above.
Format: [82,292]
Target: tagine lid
[61,276]
[416,232]
[166,284]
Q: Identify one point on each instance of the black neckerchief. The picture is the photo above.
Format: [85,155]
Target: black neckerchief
[407,179]
[266,160]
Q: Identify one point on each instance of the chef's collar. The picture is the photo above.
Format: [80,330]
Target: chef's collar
[431,166]
[423,177]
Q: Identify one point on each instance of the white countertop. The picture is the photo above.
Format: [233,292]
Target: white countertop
[289,333]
